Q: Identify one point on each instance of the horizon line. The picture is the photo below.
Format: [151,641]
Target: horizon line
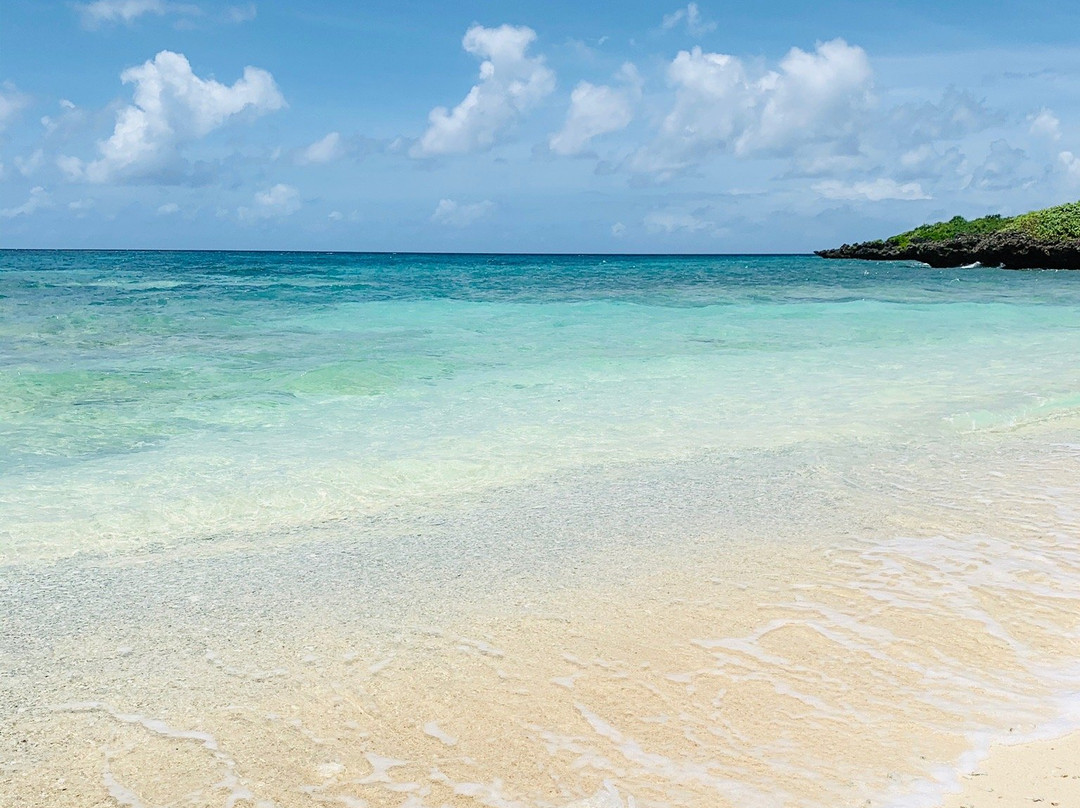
[403,252]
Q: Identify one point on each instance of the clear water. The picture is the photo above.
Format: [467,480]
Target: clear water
[743,530]
[172,396]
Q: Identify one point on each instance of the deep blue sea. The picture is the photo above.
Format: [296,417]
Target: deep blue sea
[518,530]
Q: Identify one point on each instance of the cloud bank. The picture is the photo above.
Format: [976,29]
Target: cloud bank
[720,106]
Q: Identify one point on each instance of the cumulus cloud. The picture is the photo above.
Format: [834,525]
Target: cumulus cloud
[597,110]
[323,150]
[1046,124]
[168,209]
[12,102]
[172,107]
[720,107]
[872,191]
[453,213]
[691,16]
[39,198]
[511,83]
[127,11]
[813,95]
[275,202]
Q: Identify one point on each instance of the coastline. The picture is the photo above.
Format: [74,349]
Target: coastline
[1005,250]
[766,535]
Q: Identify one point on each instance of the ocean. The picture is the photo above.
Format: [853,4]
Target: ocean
[287,529]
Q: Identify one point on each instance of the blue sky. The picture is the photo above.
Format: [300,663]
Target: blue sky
[527,126]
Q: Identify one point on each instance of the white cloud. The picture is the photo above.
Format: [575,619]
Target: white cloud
[818,94]
[127,11]
[1046,124]
[279,200]
[168,209]
[1071,163]
[71,167]
[335,216]
[39,198]
[12,102]
[244,13]
[926,162]
[323,150]
[70,120]
[455,214]
[511,83]
[29,165]
[691,15]
[597,110]
[172,106]
[812,98]
[618,229]
[825,160]
[873,191]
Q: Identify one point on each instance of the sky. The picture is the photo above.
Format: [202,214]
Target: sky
[528,126]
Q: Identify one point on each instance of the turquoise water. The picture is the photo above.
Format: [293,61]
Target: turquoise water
[537,531]
[169,396]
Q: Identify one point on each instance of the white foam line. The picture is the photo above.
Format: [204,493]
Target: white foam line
[231,781]
[154,725]
[380,768]
[684,772]
[482,647]
[119,792]
[435,731]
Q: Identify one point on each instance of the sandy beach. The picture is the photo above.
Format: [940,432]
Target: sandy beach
[1044,774]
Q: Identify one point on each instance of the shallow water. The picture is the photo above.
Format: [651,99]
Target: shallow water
[472,530]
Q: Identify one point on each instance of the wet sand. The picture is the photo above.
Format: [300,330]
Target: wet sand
[820,631]
[1041,774]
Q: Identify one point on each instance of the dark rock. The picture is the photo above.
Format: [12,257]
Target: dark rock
[1008,249]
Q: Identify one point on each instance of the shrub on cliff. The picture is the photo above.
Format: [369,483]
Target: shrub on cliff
[1051,225]
[956,226]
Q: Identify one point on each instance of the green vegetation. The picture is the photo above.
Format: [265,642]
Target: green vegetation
[1061,223]
[1053,224]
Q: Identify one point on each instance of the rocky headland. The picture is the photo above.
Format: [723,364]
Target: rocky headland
[1044,239]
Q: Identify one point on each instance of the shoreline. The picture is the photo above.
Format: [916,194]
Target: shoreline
[828,672]
[1007,251]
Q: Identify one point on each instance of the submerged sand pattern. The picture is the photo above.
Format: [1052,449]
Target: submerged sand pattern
[817,628]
